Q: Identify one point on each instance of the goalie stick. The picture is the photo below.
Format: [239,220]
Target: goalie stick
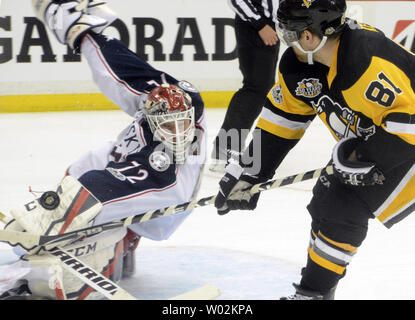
[91,277]
[110,289]
[87,274]
[29,241]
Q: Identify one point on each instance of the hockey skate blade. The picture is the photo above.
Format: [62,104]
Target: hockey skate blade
[208,292]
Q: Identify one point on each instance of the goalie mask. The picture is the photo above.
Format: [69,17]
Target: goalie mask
[324,18]
[170,114]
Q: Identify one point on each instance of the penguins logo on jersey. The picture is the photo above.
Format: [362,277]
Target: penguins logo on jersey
[343,122]
[159,161]
[309,88]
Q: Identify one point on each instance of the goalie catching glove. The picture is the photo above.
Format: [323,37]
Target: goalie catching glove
[234,190]
[349,166]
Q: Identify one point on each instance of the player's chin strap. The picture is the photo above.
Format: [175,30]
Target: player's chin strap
[310,53]
[30,241]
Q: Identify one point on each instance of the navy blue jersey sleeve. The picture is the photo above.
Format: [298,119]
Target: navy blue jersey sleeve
[125,78]
[129,67]
[147,171]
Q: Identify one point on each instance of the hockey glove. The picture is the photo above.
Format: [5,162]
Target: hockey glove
[67,21]
[234,191]
[354,172]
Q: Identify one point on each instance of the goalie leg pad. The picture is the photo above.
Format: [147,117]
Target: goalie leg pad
[102,252]
[131,241]
[76,209]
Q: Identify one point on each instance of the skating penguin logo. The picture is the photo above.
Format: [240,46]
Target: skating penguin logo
[343,122]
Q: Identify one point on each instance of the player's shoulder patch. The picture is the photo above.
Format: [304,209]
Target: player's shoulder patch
[159,160]
[309,88]
[187,86]
[276,94]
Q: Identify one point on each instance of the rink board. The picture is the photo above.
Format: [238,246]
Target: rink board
[190,39]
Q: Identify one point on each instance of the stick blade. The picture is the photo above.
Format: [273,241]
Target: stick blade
[24,239]
[208,292]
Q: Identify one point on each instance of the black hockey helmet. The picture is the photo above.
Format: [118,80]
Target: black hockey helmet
[322,17]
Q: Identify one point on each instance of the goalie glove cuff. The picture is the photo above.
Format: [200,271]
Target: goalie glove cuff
[67,21]
[357,173]
[100,9]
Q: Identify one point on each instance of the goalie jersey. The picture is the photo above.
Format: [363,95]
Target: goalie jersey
[135,174]
[368,92]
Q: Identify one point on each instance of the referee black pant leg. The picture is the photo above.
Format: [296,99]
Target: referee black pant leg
[257,63]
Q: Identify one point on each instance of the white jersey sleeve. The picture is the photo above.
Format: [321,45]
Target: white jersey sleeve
[133,185]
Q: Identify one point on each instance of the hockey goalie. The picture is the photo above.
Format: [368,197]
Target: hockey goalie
[156,161]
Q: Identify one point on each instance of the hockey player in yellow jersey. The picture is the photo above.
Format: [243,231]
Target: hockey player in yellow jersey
[361,85]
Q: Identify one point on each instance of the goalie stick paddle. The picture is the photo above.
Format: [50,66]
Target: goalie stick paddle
[87,274]
[113,291]
[107,287]
[91,277]
[29,241]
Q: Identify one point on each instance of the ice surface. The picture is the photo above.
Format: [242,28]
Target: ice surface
[248,255]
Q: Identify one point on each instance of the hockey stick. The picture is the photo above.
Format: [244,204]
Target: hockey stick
[29,241]
[111,290]
[108,288]
[85,273]
[91,277]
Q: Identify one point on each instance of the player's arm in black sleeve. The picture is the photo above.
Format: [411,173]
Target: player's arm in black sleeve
[272,152]
[276,134]
[386,150]
[281,125]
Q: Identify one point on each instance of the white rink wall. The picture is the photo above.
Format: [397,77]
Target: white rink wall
[197,62]
[191,39]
